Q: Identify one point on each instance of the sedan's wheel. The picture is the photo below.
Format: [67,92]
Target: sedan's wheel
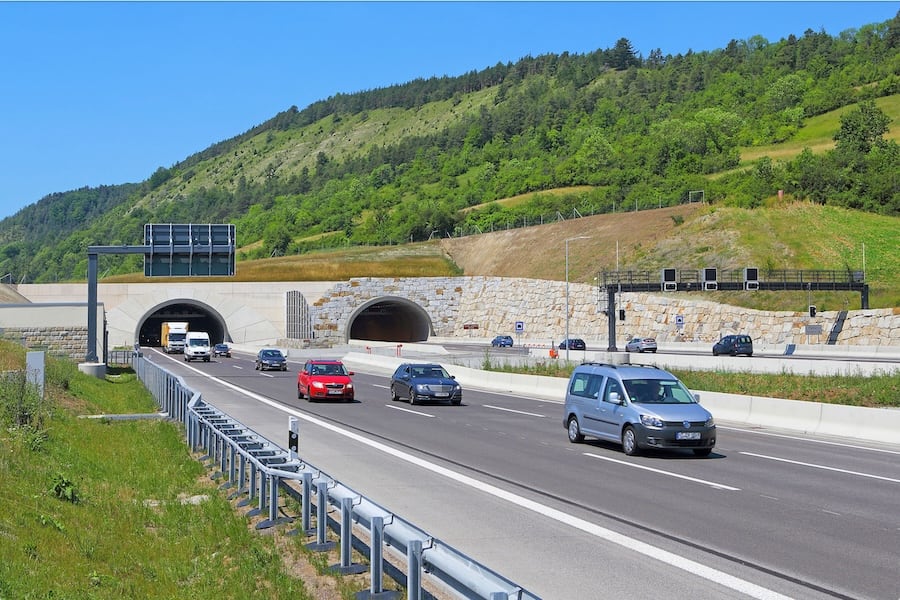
[702,451]
[629,441]
[575,435]
[412,397]
[394,396]
[256,367]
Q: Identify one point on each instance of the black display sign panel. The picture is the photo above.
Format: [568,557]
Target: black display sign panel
[189,250]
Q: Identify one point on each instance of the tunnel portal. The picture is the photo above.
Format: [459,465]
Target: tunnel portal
[390,320]
[197,316]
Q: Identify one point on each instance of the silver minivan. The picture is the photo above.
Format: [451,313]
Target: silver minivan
[638,407]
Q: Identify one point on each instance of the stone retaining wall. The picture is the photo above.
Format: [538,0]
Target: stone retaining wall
[496,304]
[70,342]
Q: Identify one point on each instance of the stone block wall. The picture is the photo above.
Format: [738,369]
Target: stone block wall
[70,342]
[496,304]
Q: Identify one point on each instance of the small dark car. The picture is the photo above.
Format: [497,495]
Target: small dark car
[573,344]
[424,382]
[270,359]
[502,341]
[734,345]
[222,350]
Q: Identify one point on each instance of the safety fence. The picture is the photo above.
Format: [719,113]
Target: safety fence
[259,469]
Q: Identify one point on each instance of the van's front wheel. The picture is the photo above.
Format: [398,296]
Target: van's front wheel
[629,441]
[575,435]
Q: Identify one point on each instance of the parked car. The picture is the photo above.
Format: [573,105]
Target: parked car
[222,350]
[502,341]
[637,407]
[270,359]
[573,344]
[639,344]
[324,380]
[734,345]
[424,382]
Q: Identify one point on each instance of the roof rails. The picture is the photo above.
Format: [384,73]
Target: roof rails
[645,366]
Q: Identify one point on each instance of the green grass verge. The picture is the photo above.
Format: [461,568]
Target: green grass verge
[101,508]
[849,389]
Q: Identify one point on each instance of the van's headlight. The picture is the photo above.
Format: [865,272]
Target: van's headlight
[710,422]
[651,421]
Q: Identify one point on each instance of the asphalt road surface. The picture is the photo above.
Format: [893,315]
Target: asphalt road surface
[770,514]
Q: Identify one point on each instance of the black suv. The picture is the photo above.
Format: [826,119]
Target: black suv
[734,345]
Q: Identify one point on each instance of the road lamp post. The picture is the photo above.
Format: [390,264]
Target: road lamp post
[580,237]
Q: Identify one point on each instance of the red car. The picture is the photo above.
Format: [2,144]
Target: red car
[325,380]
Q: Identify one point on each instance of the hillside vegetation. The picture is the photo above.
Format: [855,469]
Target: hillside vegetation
[811,118]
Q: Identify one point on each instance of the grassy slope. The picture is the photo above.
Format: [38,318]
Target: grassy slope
[787,236]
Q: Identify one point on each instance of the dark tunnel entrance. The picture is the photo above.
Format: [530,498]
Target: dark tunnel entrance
[198,318]
[390,320]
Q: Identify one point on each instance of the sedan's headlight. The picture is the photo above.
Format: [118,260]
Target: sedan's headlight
[318,385]
[651,421]
[421,387]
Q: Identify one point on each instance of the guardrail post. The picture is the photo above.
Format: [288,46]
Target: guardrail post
[376,562]
[414,575]
[261,508]
[251,486]
[321,544]
[346,567]
[307,503]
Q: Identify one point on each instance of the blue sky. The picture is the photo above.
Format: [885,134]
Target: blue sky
[95,93]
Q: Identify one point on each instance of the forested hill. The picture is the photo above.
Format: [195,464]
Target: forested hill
[589,132]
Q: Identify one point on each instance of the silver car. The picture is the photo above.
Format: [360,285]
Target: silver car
[639,344]
[637,407]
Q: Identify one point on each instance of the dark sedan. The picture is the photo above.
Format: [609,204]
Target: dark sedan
[573,344]
[271,359]
[424,382]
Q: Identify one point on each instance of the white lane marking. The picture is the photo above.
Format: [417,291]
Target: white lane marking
[811,440]
[414,412]
[823,467]
[518,412]
[713,484]
[690,566]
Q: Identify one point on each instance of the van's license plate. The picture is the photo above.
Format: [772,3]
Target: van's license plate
[687,435]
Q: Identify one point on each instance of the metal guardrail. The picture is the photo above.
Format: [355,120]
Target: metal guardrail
[260,468]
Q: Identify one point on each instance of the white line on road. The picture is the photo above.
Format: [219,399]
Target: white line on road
[415,412]
[823,467]
[518,412]
[713,484]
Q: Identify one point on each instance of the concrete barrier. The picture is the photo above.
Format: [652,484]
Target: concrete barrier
[861,423]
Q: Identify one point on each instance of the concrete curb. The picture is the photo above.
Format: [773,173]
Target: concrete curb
[860,423]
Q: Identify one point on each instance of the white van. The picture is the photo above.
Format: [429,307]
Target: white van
[196,346]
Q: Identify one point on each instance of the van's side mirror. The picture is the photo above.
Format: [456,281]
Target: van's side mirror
[615,398]
[697,398]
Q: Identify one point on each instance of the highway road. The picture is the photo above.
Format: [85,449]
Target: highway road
[769,515]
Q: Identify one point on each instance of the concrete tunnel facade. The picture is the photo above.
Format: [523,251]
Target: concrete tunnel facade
[390,319]
[198,315]
[387,319]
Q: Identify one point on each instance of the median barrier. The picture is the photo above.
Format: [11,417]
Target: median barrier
[875,424]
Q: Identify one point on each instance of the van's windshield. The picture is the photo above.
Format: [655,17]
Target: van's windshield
[657,391]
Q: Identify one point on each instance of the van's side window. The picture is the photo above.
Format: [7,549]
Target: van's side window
[586,385]
[612,386]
